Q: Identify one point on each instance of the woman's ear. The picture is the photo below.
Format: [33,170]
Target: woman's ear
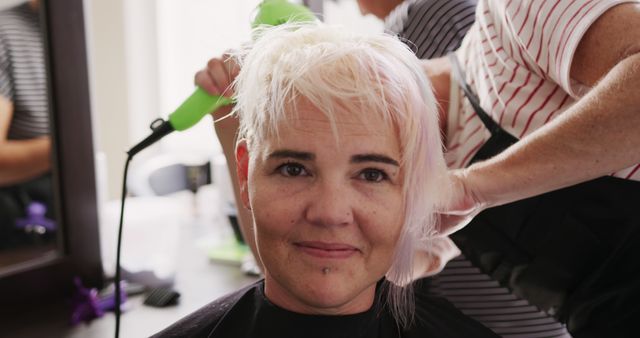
[242,170]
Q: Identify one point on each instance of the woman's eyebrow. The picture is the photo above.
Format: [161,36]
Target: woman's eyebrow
[298,155]
[374,158]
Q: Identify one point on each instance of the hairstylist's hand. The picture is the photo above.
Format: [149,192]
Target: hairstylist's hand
[465,203]
[431,260]
[216,79]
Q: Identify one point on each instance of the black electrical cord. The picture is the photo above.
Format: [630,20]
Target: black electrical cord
[118,291]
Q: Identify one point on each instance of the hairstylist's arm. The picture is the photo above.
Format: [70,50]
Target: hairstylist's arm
[20,160]
[598,135]
[216,79]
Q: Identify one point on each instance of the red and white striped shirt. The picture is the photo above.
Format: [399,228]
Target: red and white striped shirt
[517,58]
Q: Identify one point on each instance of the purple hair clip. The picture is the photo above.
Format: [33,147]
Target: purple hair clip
[88,305]
[36,222]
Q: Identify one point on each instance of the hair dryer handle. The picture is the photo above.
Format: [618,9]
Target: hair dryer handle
[194,108]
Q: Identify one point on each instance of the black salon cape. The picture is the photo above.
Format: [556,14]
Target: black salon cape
[247,313]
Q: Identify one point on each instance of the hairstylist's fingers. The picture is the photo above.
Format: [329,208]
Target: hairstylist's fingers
[450,223]
[463,206]
[431,259]
[204,81]
[220,72]
[233,69]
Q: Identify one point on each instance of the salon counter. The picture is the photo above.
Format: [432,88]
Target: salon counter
[198,280]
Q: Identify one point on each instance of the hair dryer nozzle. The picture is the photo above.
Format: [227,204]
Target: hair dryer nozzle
[276,12]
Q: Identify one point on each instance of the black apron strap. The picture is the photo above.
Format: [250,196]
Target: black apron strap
[459,74]
[500,139]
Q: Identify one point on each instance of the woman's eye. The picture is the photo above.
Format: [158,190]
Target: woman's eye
[292,170]
[373,175]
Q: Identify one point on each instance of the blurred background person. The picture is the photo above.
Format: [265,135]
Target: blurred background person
[25,145]
[431,28]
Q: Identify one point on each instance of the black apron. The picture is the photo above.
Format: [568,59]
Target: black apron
[573,252]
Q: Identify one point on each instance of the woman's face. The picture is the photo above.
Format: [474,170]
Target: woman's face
[327,213]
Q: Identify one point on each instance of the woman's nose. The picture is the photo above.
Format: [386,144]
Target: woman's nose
[330,204]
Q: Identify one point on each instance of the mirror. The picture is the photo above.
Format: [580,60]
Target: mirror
[42,272]
[29,225]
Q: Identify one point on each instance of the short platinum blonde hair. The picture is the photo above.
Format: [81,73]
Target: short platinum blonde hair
[334,68]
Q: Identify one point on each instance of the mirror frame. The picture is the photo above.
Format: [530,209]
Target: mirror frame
[49,280]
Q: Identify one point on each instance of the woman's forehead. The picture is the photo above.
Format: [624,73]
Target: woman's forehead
[343,119]
[308,127]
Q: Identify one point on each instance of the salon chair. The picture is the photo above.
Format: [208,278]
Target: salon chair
[166,174]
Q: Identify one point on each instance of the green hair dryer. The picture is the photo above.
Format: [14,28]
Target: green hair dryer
[201,103]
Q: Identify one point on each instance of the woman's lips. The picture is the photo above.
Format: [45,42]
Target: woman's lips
[326,250]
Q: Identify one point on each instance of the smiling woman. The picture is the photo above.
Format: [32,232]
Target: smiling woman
[340,161]
[328,214]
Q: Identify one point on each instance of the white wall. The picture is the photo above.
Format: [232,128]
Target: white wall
[109,85]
